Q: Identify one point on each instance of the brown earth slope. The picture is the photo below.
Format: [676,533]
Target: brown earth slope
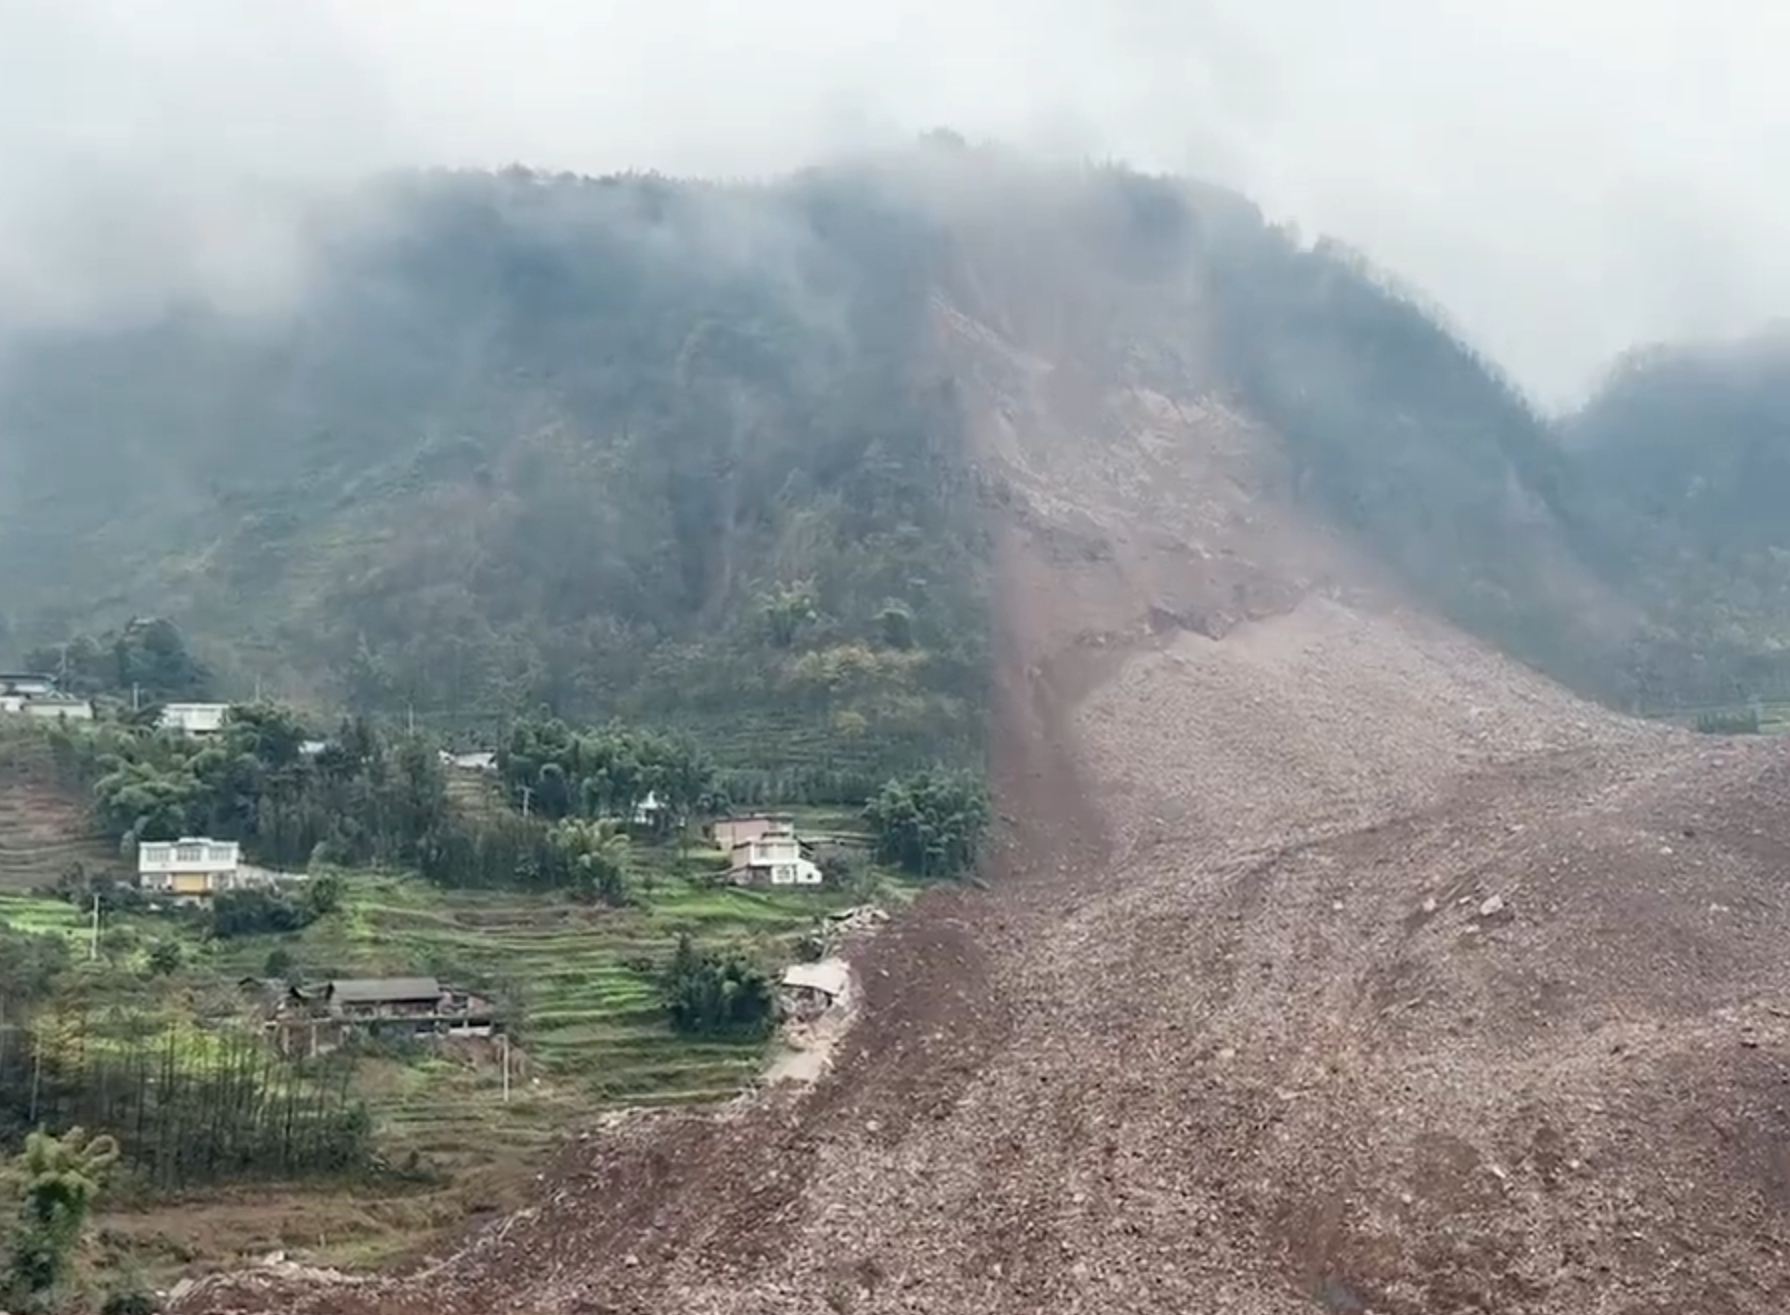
[1329,961]
[44,828]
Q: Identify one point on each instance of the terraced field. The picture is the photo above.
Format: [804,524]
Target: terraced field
[43,830]
[590,1031]
[23,911]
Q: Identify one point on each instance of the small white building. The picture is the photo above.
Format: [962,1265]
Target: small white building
[193,718]
[772,860]
[650,810]
[191,868]
[27,684]
[481,760]
[49,707]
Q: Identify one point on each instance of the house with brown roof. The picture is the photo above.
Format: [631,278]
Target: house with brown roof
[730,831]
[381,1006]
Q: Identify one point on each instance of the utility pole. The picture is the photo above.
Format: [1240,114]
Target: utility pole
[527,794]
[93,943]
[505,1038]
[136,696]
[410,717]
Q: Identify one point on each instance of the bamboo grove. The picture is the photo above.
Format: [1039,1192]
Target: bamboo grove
[187,1107]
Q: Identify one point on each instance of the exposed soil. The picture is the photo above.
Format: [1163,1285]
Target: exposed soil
[44,828]
[1328,962]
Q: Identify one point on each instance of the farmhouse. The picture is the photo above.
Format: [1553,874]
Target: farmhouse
[382,997]
[730,831]
[191,869]
[32,695]
[771,860]
[193,718]
[27,684]
[49,706]
[321,1015]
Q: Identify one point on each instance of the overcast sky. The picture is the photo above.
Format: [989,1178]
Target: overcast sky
[1565,176]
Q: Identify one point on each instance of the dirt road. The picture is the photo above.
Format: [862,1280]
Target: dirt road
[1328,962]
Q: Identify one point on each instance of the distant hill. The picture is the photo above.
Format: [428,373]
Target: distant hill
[1685,454]
[687,451]
[614,446]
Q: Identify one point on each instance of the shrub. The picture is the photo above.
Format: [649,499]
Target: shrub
[255,913]
[930,823]
[714,994]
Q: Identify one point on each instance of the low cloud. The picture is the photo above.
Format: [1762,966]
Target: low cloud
[1566,178]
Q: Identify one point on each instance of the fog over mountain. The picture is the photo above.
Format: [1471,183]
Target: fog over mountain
[1566,178]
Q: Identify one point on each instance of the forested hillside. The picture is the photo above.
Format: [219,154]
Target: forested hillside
[681,452]
[1404,435]
[1685,452]
[621,447]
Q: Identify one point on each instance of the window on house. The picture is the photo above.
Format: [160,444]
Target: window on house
[189,854]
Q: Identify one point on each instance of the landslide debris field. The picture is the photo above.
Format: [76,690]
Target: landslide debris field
[1328,961]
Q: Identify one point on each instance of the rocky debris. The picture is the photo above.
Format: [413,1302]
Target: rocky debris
[274,1278]
[863,920]
[1190,1050]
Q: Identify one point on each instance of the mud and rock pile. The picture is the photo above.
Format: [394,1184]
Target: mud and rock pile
[1329,960]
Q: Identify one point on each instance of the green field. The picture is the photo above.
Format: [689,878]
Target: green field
[589,1029]
[40,913]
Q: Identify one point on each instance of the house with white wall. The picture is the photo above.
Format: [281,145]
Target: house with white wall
[771,860]
[47,707]
[29,694]
[190,869]
[26,684]
[193,718]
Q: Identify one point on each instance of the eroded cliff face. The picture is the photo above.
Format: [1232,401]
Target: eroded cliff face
[1328,959]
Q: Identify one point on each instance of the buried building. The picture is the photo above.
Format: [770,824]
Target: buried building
[810,988]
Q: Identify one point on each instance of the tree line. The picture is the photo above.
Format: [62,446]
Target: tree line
[186,1108]
[734,466]
[362,796]
[556,771]
[367,795]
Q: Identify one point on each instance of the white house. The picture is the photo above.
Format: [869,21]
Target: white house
[26,684]
[194,718]
[771,860]
[650,809]
[482,760]
[49,706]
[191,868]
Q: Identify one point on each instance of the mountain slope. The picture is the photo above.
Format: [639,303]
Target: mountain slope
[1688,450]
[1331,960]
[547,440]
[532,440]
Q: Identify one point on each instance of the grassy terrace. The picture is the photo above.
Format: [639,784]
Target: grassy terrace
[589,1028]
